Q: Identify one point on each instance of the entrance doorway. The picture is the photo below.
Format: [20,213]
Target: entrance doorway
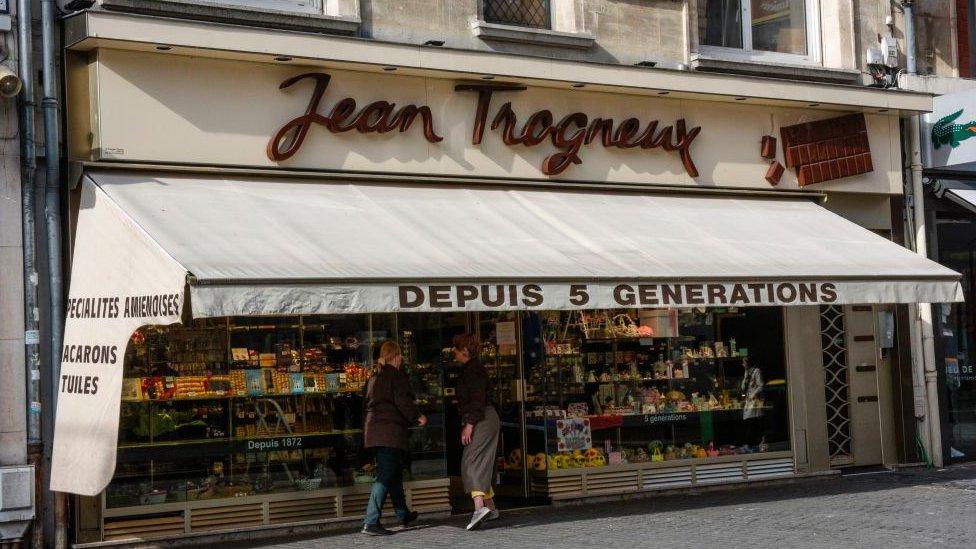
[856,342]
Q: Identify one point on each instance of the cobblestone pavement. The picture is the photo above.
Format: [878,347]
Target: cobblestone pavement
[884,510]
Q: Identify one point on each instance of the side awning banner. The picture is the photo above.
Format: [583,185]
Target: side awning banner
[120,280]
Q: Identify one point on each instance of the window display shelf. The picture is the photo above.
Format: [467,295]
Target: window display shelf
[609,421]
[564,484]
[222,514]
[209,447]
[626,381]
[235,440]
[349,391]
[624,467]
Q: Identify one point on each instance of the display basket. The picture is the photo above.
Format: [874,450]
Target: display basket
[622,325]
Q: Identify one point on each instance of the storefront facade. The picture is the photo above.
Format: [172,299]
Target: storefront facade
[949,222]
[675,287]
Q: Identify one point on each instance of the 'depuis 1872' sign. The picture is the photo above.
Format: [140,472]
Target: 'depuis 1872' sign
[568,135]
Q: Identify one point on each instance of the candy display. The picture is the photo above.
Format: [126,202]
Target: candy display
[238,407]
[653,387]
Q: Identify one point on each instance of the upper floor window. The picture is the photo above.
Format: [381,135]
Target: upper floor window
[522,13]
[763,28]
[303,6]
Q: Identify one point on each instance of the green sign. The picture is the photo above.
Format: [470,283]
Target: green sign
[944,132]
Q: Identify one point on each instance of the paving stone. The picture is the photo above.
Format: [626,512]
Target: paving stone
[920,508]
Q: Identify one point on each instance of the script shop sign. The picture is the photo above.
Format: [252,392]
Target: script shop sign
[567,134]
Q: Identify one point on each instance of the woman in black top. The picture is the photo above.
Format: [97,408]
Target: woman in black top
[390,412]
[480,430]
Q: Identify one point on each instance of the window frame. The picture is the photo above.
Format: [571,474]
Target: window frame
[549,9]
[746,53]
[317,7]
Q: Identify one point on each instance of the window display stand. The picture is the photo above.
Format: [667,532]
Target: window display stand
[347,503]
[566,484]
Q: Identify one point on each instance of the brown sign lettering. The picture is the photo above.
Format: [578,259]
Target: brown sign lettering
[575,130]
[378,117]
[569,134]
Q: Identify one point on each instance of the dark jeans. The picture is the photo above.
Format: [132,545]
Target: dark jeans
[389,479]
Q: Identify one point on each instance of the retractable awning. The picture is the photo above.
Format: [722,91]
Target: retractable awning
[274,247]
[252,246]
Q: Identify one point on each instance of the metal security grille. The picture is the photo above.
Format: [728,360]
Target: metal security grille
[837,388]
[523,13]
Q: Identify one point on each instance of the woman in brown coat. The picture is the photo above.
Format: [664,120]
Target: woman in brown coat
[480,430]
[390,412]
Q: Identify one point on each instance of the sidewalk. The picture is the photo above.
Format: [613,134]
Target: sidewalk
[876,510]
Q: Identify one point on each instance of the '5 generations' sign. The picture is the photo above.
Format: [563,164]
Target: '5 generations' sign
[611,295]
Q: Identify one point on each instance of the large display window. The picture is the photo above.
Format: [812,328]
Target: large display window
[628,389]
[245,406]
[956,331]
[263,410]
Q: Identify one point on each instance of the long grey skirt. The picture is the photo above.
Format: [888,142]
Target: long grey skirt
[478,458]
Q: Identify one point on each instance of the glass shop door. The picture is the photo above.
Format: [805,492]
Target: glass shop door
[501,334]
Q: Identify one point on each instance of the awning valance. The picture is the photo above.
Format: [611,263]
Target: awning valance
[267,246]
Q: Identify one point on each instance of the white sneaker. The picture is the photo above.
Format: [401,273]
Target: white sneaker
[493,515]
[478,518]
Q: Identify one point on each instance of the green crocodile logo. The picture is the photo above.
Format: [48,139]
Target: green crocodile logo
[944,132]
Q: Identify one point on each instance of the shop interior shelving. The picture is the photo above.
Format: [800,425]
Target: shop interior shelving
[250,433]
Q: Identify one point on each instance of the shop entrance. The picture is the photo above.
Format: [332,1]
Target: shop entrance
[506,348]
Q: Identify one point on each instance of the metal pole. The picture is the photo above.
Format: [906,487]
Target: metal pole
[52,218]
[32,356]
[924,318]
[910,64]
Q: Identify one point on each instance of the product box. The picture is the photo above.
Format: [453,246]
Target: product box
[297,383]
[254,382]
[663,322]
[132,388]
[332,383]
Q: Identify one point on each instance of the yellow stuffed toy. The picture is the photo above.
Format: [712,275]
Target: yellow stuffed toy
[515,459]
[594,458]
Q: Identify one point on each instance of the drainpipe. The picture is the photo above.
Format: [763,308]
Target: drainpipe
[924,318]
[52,218]
[32,356]
[909,9]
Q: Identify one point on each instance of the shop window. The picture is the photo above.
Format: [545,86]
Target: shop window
[257,406]
[631,390]
[956,327]
[759,29]
[250,406]
[520,13]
